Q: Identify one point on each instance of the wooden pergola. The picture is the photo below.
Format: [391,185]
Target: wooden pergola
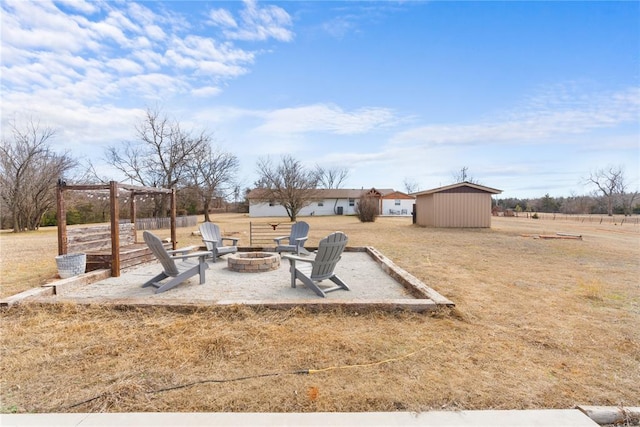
[115,190]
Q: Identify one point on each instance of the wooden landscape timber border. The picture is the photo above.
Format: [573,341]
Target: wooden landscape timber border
[612,415]
[562,236]
[129,254]
[426,298]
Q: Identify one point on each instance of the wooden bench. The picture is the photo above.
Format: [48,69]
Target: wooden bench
[95,241]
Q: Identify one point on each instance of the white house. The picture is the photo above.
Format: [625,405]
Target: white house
[339,201]
[396,203]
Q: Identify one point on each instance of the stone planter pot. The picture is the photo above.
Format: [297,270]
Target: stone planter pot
[70,265]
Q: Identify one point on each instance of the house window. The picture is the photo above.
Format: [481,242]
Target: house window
[397,202]
[320,202]
[352,202]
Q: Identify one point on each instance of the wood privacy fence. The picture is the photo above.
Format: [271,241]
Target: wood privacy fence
[97,237]
[162,223]
[262,234]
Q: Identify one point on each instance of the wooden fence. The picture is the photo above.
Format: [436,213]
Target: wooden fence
[262,234]
[164,223]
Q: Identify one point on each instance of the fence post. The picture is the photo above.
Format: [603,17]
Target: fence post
[115,229]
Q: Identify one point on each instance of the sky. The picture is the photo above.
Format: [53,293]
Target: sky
[529,97]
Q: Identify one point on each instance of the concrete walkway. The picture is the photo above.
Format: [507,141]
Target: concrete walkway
[511,418]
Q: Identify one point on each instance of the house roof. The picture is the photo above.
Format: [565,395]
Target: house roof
[398,195]
[331,193]
[458,185]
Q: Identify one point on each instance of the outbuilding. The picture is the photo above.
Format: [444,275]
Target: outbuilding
[461,205]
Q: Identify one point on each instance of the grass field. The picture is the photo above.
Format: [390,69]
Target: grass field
[538,324]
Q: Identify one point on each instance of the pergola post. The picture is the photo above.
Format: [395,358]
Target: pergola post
[115,229]
[62,219]
[173,219]
[132,207]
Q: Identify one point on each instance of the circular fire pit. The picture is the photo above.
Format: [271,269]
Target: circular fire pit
[253,262]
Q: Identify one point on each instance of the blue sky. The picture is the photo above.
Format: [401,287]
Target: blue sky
[530,96]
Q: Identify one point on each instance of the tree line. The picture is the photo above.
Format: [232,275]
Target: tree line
[611,195]
[164,154]
[572,205]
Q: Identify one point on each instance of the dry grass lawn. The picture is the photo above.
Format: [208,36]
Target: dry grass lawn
[538,324]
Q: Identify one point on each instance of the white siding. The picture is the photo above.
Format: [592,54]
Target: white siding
[262,209]
[389,207]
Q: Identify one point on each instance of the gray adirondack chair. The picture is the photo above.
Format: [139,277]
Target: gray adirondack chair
[311,271]
[295,240]
[215,242]
[177,272]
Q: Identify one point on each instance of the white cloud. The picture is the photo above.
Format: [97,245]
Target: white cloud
[338,27]
[26,25]
[144,16]
[257,23]
[152,60]
[86,7]
[223,18]
[154,32]
[154,85]
[98,52]
[542,118]
[125,66]
[202,48]
[206,91]
[326,118]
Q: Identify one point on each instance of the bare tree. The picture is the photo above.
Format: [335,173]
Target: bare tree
[410,186]
[213,174]
[609,182]
[29,170]
[628,198]
[463,176]
[289,184]
[161,156]
[332,177]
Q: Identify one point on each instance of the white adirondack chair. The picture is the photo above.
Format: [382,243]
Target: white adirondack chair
[295,240]
[214,241]
[312,271]
[178,272]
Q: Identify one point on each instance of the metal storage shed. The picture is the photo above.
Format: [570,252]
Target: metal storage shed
[458,205]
